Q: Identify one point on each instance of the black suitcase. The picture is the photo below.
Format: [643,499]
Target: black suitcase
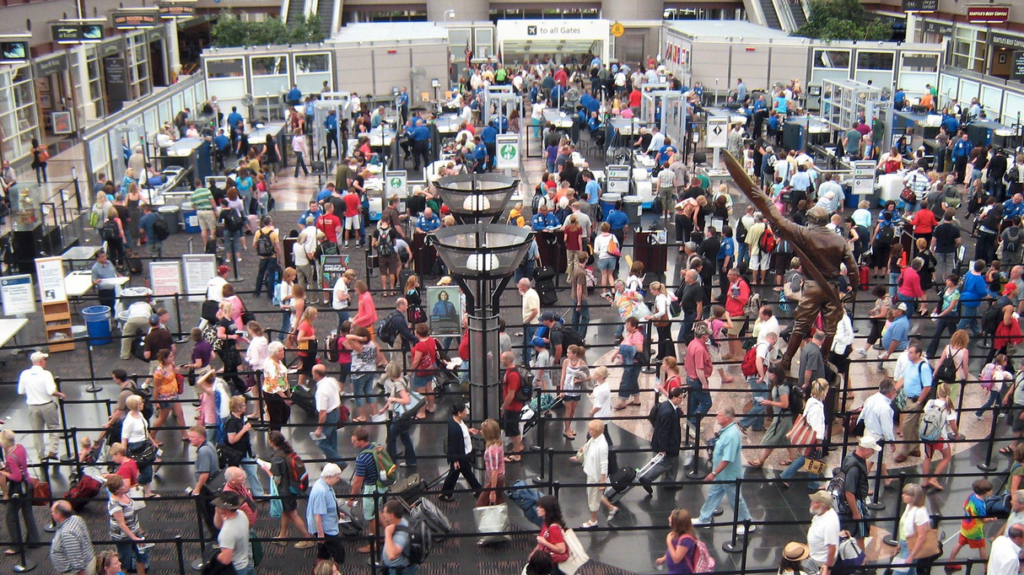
[410,489]
[303,398]
[544,273]
[627,477]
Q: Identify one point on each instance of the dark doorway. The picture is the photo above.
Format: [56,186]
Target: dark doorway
[630,47]
[157,69]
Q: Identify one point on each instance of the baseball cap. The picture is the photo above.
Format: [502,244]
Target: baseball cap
[902,306]
[223,270]
[867,442]
[228,500]
[538,342]
[38,356]
[548,316]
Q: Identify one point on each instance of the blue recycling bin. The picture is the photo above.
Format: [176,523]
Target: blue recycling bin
[97,323]
[607,203]
[191,218]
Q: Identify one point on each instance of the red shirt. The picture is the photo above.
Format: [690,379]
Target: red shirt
[634,99]
[305,330]
[329,224]
[129,470]
[428,362]
[734,304]
[561,77]
[698,360]
[924,222]
[572,239]
[511,384]
[553,533]
[464,346]
[351,205]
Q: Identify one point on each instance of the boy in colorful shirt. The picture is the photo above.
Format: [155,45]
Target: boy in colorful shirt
[972,532]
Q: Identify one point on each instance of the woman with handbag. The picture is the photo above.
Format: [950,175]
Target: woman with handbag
[662,318]
[276,389]
[365,359]
[17,490]
[397,403]
[493,492]
[808,431]
[305,339]
[679,544]
[782,421]
[412,295]
[124,527]
[227,332]
[913,534]
[167,387]
[551,539]
[238,437]
[140,446]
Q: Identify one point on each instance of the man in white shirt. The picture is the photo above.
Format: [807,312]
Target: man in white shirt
[1005,556]
[823,535]
[595,466]
[877,415]
[215,289]
[1016,511]
[303,255]
[328,407]
[657,141]
[39,389]
[138,320]
[340,298]
[582,219]
[531,315]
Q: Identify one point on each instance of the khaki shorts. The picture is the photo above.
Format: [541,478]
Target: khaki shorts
[737,327]
[207,221]
[594,495]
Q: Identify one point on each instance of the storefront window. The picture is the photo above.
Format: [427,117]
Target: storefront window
[269,66]
[875,60]
[19,121]
[970,49]
[836,59]
[311,71]
[138,65]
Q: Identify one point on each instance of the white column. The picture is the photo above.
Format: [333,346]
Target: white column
[173,53]
[85,93]
[911,27]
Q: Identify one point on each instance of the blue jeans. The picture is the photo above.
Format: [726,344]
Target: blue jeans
[744,255]
[266,275]
[250,570]
[407,570]
[698,401]
[628,354]
[251,473]
[329,444]
[716,493]
[630,381]
[362,388]
[343,316]
[145,471]
[400,430]
[129,555]
[993,400]
[286,326]
[968,319]
[231,241]
[904,552]
[581,317]
[893,279]
[525,270]
[528,331]
[794,468]
[755,417]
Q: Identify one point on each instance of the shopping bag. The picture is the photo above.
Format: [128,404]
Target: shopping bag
[276,507]
[492,519]
[577,555]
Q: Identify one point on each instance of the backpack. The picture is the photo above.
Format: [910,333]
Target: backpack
[652,415]
[1012,244]
[160,229]
[386,330]
[990,320]
[109,231]
[297,476]
[796,398]
[885,234]
[420,541]
[569,336]
[525,392]
[385,247]
[768,241]
[700,560]
[232,221]
[741,232]
[94,216]
[387,471]
[147,400]
[1013,174]
[333,353]
[749,365]
[946,372]
[264,246]
[933,422]
[837,487]
[753,306]
[657,207]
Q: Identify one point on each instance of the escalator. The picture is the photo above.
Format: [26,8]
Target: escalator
[325,10]
[295,10]
[796,7]
[771,18]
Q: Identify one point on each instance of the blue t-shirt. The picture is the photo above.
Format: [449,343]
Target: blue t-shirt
[146,223]
[366,467]
[427,225]
[617,220]
[593,190]
[916,377]
[899,331]
[322,502]
[728,249]
[727,448]
[401,539]
[323,195]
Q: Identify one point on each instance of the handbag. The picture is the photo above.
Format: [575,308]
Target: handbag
[908,196]
[801,435]
[228,456]
[41,494]
[145,457]
[492,519]
[192,379]
[409,410]
[930,547]
[276,507]
[416,315]
[181,383]
[813,463]
[577,555]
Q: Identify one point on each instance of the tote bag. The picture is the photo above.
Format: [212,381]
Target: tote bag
[577,555]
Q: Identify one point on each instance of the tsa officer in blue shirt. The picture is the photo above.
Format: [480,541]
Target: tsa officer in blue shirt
[480,158]
[543,220]
[331,125]
[294,97]
[420,136]
[428,221]
[403,103]
[234,117]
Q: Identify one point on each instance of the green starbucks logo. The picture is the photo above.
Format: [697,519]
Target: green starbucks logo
[395,182]
[508,152]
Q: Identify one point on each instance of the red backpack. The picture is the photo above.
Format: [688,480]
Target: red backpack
[749,365]
[768,240]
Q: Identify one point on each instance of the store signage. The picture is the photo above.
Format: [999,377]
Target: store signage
[863,178]
[938,28]
[115,73]
[111,48]
[170,10]
[618,30]
[396,184]
[988,14]
[920,5]
[66,33]
[135,19]
[50,66]
[16,295]
[165,278]
[14,48]
[1007,41]
[507,148]
[199,270]
[718,132]
[1017,72]
[50,273]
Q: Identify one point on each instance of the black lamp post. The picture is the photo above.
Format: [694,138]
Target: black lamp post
[481,257]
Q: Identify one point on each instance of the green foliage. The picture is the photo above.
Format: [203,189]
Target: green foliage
[842,20]
[229,31]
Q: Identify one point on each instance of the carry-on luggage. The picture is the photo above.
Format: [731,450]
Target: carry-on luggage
[491,519]
[530,417]
[525,497]
[303,398]
[865,278]
[350,524]
[82,492]
[428,511]
[544,283]
[409,489]
[624,479]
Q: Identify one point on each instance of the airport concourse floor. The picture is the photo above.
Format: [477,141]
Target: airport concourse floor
[629,543]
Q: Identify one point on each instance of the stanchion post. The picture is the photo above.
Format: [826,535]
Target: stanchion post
[987,465]
[963,388]
[733,545]
[874,504]
[200,563]
[550,452]
[182,338]
[179,550]
[234,259]
[78,456]
[539,479]
[67,458]
[23,563]
[694,472]
[93,388]
[556,488]
[892,540]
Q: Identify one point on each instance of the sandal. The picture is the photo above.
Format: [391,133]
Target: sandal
[756,464]
[787,462]
[10,552]
[1006,451]
[588,525]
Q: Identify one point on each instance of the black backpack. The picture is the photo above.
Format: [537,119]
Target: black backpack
[525,392]
[657,207]
[147,400]
[1012,242]
[885,234]
[160,229]
[418,548]
[386,330]
[385,246]
[741,231]
[110,232]
[570,336]
[264,247]
[232,221]
[796,397]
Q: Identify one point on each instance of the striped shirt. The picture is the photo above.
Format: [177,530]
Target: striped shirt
[494,459]
[202,199]
[71,549]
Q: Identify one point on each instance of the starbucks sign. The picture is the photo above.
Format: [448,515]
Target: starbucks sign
[507,146]
[395,184]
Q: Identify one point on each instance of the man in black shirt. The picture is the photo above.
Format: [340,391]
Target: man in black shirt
[945,241]
[553,337]
[691,301]
[667,436]
[694,191]
[855,488]
[709,247]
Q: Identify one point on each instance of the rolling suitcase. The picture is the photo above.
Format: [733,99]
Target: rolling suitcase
[303,398]
[410,489]
[627,477]
[865,278]
[544,282]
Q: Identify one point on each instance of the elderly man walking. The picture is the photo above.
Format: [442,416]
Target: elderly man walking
[71,550]
[531,316]
[322,512]
[40,391]
[726,468]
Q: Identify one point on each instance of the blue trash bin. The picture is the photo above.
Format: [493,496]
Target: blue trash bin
[607,203]
[97,323]
[191,218]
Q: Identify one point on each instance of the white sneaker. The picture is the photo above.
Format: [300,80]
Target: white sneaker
[698,523]
[740,529]
[861,353]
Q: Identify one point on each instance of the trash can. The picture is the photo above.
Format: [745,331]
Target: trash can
[607,203]
[170,214]
[191,217]
[132,295]
[97,322]
[634,208]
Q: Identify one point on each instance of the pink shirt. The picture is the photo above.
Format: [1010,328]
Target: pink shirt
[698,360]
[208,408]
[635,339]
[17,463]
[494,459]
[367,314]
[911,285]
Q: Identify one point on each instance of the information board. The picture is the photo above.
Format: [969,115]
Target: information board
[16,295]
[863,178]
[165,278]
[617,179]
[396,184]
[444,308]
[507,148]
[718,132]
[331,270]
[199,269]
[50,274]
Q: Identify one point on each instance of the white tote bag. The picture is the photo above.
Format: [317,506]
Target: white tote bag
[577,555]
[492,519]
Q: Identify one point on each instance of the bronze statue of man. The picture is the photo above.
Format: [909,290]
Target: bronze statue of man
[821,252]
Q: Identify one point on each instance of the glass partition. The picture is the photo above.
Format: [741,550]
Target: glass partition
[949,87]
[150,122]
[1013,108]
[311,71]
[968,90]
[832,59]
[100,154]
[992,99]
[269,75]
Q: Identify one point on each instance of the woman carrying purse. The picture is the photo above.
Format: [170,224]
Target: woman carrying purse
[14,479]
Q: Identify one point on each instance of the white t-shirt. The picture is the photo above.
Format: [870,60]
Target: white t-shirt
[133,429]
[140,309]
[340,298]
[602,400]
[299,251]
[328,394]
[392,387]
[531,302]
[911,518]
[215,289]
[468,441]
[601,246]
[824,531]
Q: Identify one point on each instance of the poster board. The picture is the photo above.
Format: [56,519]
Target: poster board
[331,269]
[50,273]
[16,295]
[199,269]
[863,178]
[444,310]
[165,278]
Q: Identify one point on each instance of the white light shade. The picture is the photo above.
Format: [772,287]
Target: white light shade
[476,203]
[482,262]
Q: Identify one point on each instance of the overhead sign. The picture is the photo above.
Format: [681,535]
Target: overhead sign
[920,5]
[618,30]
[552,29]
[199,270]
[507,148]
[170,10]
[165,278]
[135,19]
[396,184]
[13,51]
[116,78]
[988,14]
[50,66]
[16,295]
[50,274]
[66,33]
[863,178]
[78,32]
[1007,41]
[718,132]
[618,177]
